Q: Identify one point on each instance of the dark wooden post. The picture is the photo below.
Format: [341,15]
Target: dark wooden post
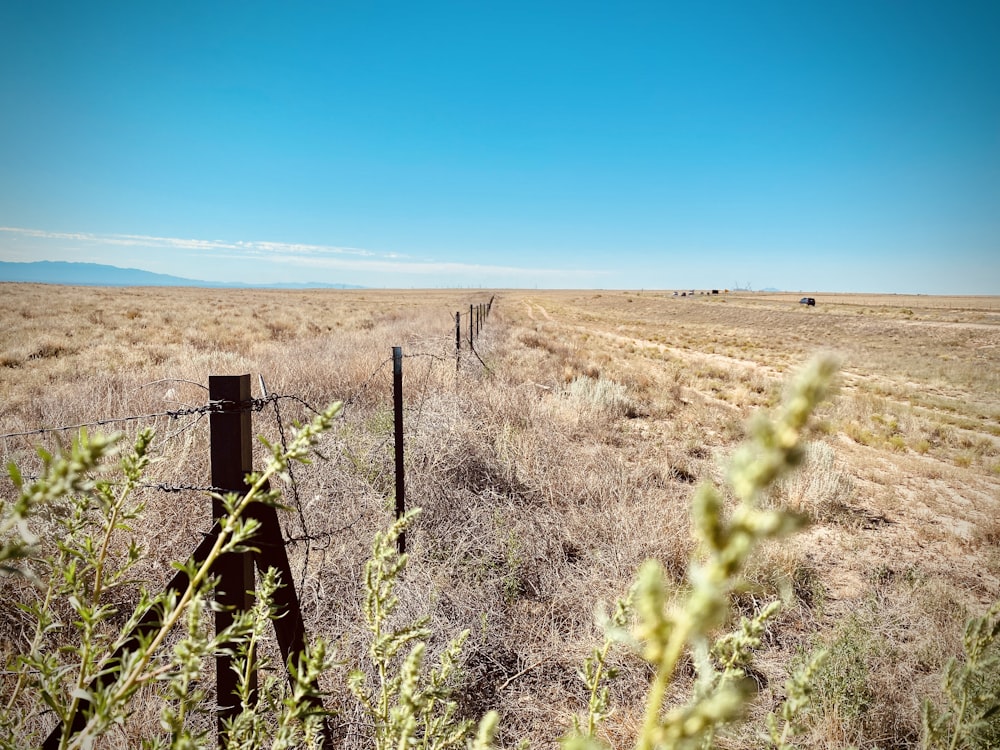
[230,430]
[458,344]
[230,453]
[397,404]
[471,323]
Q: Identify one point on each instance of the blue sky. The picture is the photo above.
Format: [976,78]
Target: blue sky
[842,146]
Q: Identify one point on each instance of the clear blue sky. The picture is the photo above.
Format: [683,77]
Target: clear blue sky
[840,146]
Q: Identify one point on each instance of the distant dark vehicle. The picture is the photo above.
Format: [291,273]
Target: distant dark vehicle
[808,301]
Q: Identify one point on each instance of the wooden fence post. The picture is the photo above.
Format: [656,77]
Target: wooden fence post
[471,334]
[458,345]
[230,454]
[231,449]
[397,406]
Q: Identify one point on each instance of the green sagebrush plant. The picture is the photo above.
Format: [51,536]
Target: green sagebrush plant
[666,632]
[407,706]
[971,718]
[69,474]
[59,676]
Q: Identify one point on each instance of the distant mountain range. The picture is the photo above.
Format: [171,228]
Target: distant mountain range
[96,274]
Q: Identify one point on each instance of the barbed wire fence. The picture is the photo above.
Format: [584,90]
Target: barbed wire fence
[171,423]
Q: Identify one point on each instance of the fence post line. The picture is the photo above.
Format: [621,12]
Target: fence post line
[231,450]
[471,322]
[397,409]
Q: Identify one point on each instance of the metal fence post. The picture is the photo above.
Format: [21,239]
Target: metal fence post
[458,332]
[397,404]
[231,449]
[471,322]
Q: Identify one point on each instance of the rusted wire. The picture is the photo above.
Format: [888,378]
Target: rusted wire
[212,407]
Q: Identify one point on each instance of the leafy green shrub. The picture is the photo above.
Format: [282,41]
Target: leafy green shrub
[842,685]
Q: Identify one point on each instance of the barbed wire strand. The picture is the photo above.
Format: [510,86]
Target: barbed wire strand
[423,386]
[327,536]
[162,486]
[208,408]
[184,428]
[472,348]
[298,400]
[353,397]
[171,380]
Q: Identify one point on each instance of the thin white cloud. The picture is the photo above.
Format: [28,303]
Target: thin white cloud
[423,268]
[315,257]
[179,243]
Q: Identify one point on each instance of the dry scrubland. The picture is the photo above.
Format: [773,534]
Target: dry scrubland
[548,477]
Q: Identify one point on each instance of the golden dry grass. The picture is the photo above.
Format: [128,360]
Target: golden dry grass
[547,478]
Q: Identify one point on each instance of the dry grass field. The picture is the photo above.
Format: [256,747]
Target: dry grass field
[551,465]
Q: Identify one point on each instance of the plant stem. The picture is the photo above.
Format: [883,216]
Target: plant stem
[658,690]
[106,542]
[959,720]
[36,643]
[595,687]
